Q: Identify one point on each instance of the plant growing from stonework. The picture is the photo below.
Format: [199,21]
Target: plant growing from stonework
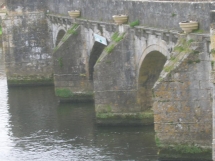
[212,51]
[134,23]
[72,29]
[109,49]
[173,15]
[198,31]
[117,37]
[0,30]
[212,64]
[184,46]
[114,36]
[157,141]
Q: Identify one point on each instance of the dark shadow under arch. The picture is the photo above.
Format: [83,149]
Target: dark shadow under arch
[94,55]
[60,35]
[149,73]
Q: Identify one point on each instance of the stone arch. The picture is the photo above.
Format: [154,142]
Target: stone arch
[59,36]
[95,53]
[149,68]
[154,47]
[56,29]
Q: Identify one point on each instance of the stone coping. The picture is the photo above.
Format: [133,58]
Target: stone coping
[148,30]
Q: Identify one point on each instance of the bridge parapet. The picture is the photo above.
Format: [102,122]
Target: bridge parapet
[140,31]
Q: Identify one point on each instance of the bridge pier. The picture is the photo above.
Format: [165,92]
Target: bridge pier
[183,99]
[28,58]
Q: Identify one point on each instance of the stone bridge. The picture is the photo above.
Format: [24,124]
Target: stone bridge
[148,74]
[143,76]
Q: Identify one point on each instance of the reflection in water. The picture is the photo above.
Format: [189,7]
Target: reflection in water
[6,143]
[42,128]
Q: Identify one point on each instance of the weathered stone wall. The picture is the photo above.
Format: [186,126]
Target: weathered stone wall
[164,15]
[26,43]
[183,99]
[26,6]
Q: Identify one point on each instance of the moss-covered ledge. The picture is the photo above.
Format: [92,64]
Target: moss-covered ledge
[125,119]
[183,151]
[67,95]
[30,81]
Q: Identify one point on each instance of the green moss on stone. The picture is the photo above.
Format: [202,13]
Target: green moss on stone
[199,31]
[117,37]
[63,92]
[72,30]
[114,36]
[168,68]
[29,81]
[184,46]
[173,15]
[104,115]
[187,149]
[110,48]
[181,148]
[212,51]
[212,64]
[134,23]
[66,95]
[0,30]
[110,115]
[157,141]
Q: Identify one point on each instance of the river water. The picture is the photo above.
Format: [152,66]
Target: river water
[35,127]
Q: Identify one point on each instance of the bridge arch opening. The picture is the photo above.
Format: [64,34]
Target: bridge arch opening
[149,73]
[60,35]
[94,56]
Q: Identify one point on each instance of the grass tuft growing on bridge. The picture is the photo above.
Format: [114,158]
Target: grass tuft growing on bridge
[114,36]
[198,31]
[117,37]
[0,30]
[184,46]
[72,30]
[109,49]
[134,23]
